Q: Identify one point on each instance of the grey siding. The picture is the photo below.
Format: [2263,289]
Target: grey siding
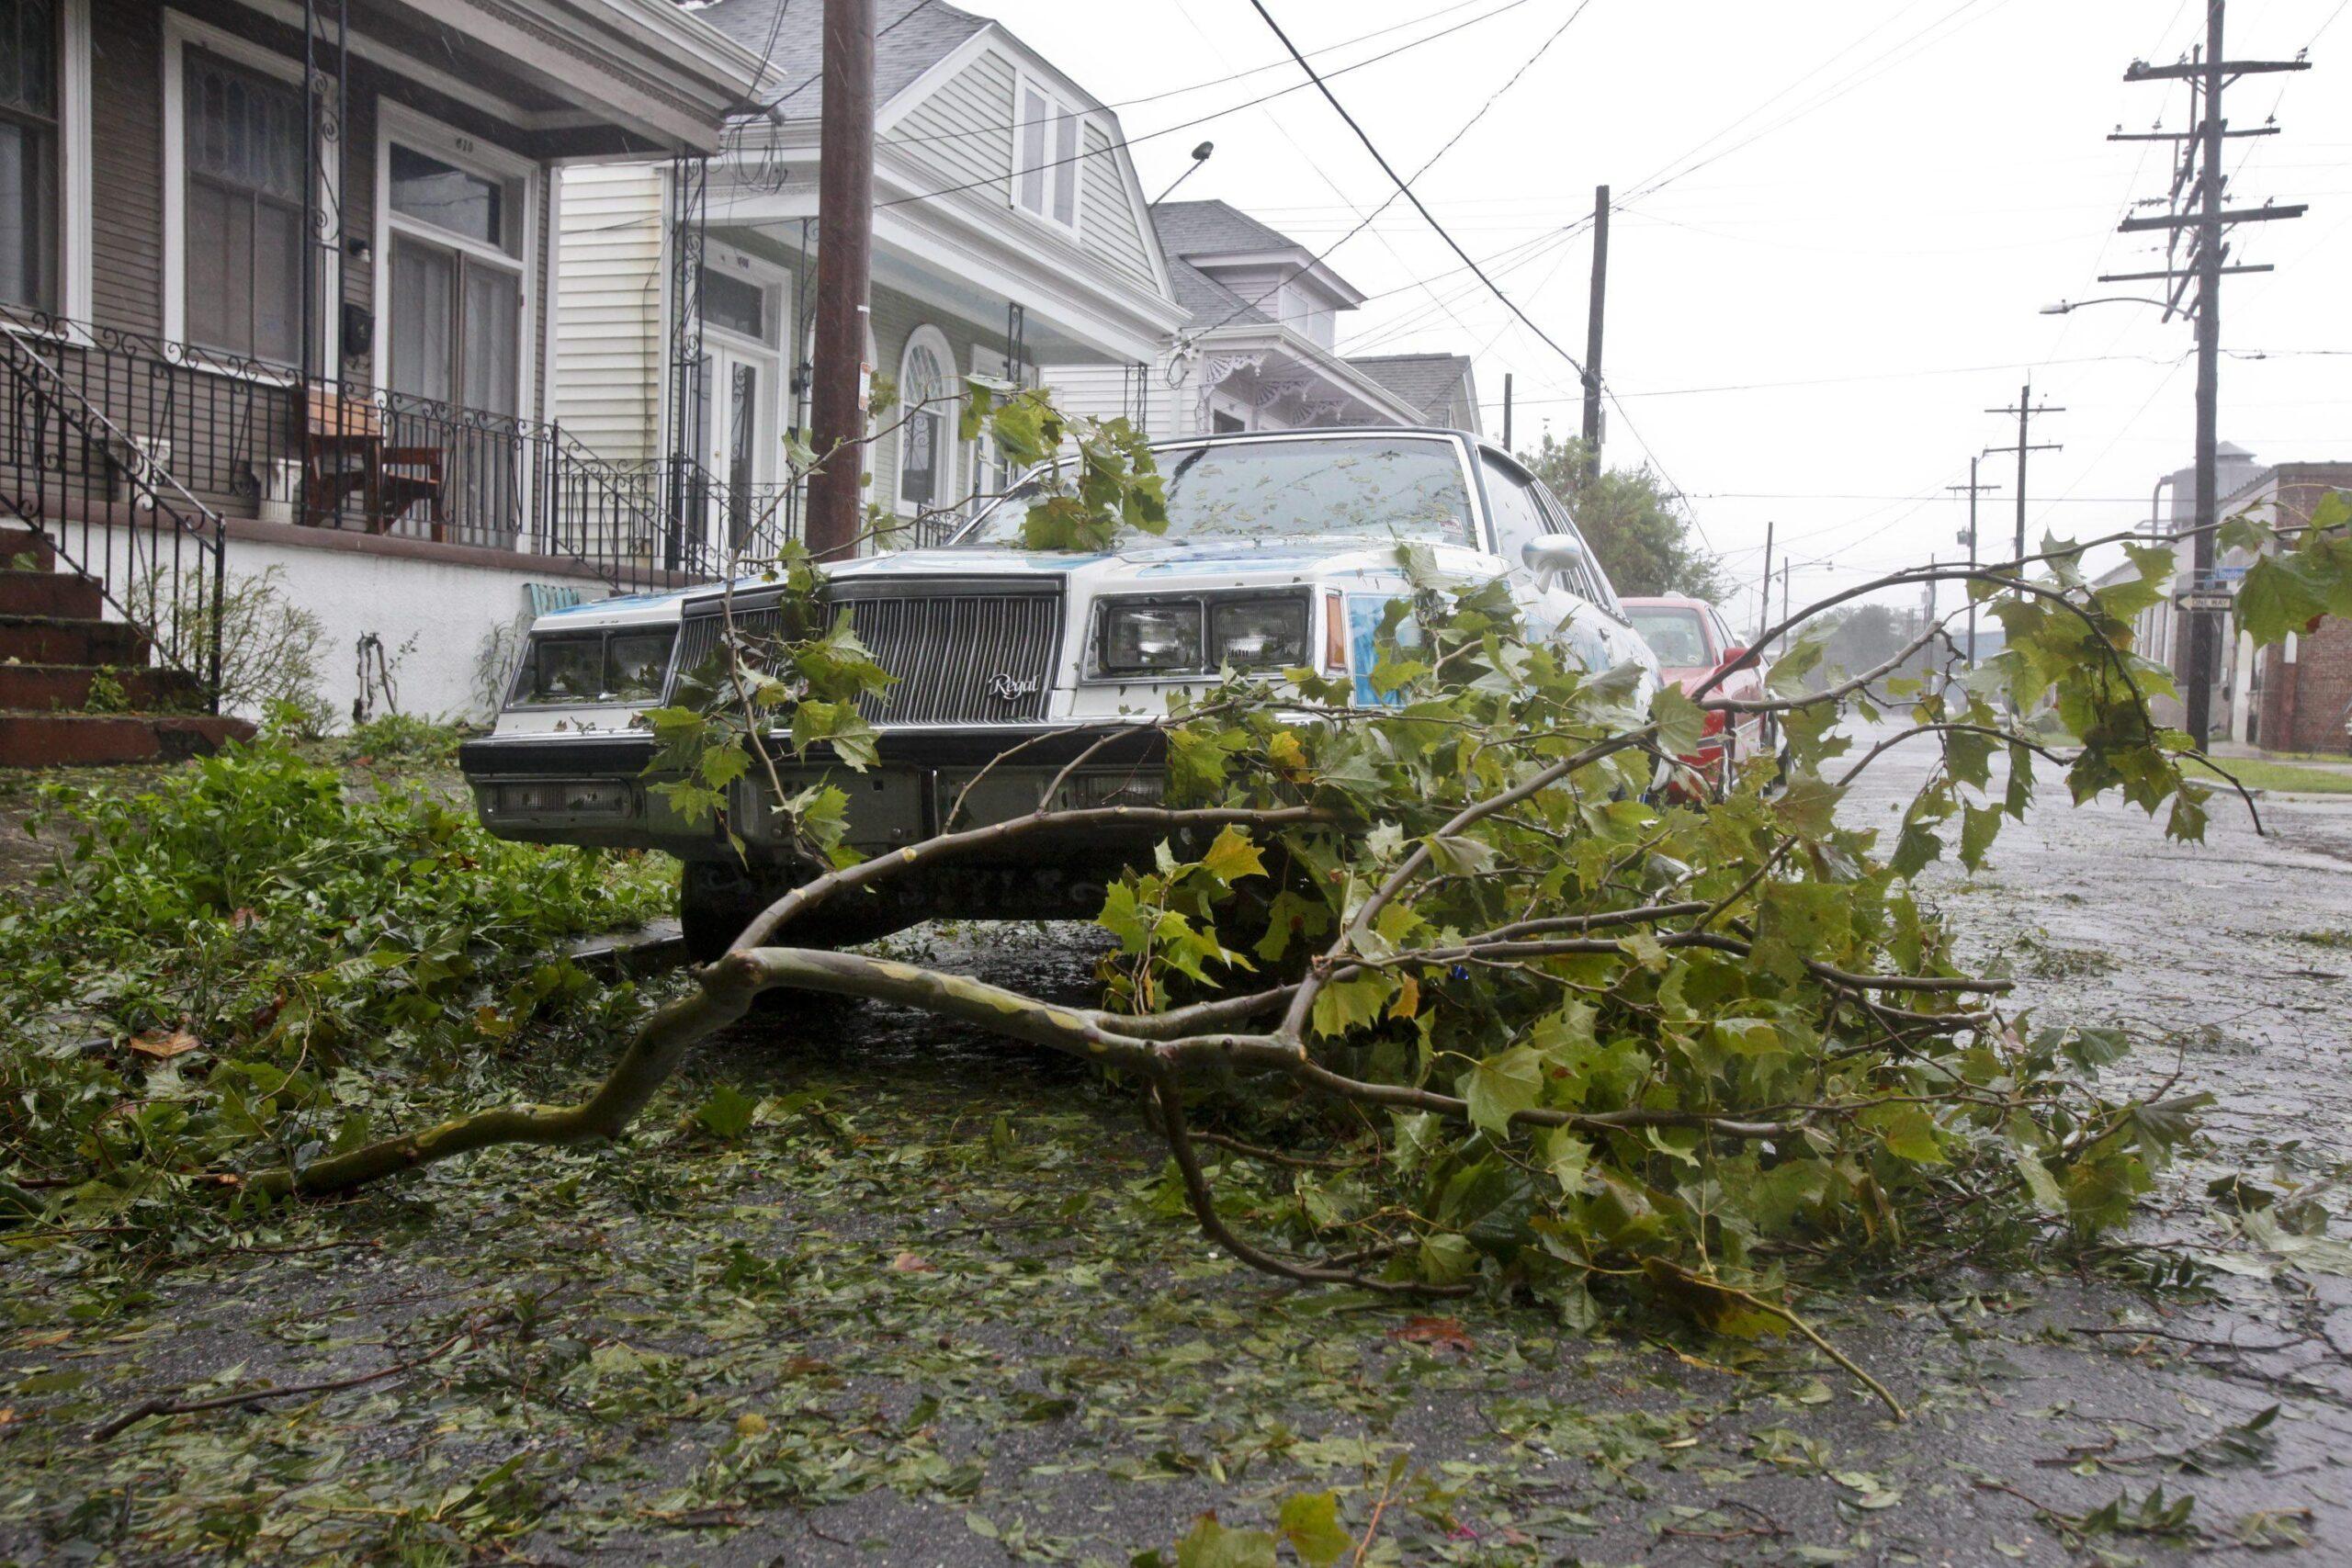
[962,130]
[1107,221]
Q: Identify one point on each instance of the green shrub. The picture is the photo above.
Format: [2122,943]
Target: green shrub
[221,950]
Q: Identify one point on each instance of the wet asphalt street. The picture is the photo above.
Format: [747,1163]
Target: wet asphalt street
[935,1309]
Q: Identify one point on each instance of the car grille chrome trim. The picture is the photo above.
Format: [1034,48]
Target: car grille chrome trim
[964,652]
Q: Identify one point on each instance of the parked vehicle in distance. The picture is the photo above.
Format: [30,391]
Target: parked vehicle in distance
[1280,551]
[1691,642]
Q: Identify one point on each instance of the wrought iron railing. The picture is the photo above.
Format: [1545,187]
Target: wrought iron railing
[109,505]
[243,438]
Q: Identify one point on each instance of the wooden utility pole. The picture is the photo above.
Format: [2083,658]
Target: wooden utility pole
[1969,539]
[2025,410]
[845,267]
[2198,170]
[1764,596]
[1592,329]
[1506,446]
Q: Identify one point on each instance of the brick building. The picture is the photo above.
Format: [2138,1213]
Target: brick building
[2296,697]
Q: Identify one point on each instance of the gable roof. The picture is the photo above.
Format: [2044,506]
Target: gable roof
[909,37]
[1209,228]
[1215,227]
[1424,381]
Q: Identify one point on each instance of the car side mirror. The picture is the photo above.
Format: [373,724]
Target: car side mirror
[1553,556]
[1734,653]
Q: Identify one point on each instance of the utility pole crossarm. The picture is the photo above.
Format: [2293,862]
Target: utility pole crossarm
[2167,277]
[2199,70]
[2197,220]
[2187,135]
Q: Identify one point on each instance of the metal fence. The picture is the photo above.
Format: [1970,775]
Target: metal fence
[97,489]
[239,437]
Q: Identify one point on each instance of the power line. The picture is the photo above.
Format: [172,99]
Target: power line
[1364,219]
[1405,189]
[1215,114]
[1002,128]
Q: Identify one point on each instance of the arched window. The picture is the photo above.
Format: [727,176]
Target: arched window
[928,388]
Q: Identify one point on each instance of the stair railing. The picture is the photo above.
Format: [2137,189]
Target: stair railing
[108,502]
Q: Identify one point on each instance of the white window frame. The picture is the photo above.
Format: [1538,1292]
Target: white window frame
[423,133]
[767,354]
[72,310]
[1059,110]
[769,278]
[179,31]
[943,452]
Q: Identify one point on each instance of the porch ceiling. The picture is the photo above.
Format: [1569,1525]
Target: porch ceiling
[1062,324]
[605,74]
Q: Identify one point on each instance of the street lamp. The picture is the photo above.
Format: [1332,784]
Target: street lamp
[2063,306]
[1200,157]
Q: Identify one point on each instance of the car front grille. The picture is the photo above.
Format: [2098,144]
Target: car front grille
[964,652]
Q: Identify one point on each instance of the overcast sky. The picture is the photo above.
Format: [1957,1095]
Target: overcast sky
[1833,236]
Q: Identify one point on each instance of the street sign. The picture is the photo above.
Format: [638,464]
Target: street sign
[2228,574]
[2204,601]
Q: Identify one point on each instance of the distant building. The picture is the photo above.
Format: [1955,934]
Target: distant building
[1259,348]
[2295,696]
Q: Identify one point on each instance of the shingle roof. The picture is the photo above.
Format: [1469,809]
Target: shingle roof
[1213,228]
[1424,381]
[909,37]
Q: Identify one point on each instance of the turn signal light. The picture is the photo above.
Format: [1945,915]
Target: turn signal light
[1335,632]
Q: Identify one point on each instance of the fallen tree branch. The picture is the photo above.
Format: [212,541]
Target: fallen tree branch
[162,1405]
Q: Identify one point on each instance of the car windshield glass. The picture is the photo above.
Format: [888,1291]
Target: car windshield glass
[1673,634]
[1374,488]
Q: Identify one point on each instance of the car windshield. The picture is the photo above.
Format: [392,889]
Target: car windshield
[1673,634]
[1358,488]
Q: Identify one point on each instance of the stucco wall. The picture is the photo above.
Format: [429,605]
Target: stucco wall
[435,609]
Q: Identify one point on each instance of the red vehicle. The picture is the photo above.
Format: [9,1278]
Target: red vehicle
[1691,643]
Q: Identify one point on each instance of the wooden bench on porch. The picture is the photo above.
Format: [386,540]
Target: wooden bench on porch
[344,455]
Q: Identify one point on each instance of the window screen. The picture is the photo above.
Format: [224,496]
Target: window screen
[243,241]
[28,240]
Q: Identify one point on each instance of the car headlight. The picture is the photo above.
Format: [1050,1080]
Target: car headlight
[1150,639]
[595,667]
[1258,634]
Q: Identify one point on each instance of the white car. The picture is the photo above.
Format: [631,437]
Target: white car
[1281,550]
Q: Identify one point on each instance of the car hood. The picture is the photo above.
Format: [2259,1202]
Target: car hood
[1148,565]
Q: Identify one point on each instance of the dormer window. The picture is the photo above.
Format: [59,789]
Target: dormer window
[1046,173]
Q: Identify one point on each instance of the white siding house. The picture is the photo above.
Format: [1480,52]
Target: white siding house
[1009,233]
[1259,349]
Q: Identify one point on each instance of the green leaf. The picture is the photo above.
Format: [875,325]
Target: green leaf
[1500,1085]
[1310,1522]
[1748,1036]
[1233,856]
[1908,1133]
[1210,1545]
[2278,595]
[1681,723]
[727,1112]
[1979,827]
[1350,1004]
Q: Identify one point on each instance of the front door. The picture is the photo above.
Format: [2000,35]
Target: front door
[738,422]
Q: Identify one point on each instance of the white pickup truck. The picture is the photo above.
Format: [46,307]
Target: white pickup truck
[1281,550]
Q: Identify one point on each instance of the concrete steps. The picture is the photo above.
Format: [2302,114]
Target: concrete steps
[58,653]
[83,739]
